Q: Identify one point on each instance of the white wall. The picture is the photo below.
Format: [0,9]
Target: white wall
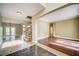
[43,29]
[35,19]
[11,20]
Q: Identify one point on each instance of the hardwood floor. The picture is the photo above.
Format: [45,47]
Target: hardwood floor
[64,45]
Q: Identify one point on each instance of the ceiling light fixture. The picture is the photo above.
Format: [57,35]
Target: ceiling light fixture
[19,12]
[23,25]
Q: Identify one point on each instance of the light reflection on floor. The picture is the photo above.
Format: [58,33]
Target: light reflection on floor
[32,51]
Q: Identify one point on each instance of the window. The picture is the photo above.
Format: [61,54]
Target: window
[13,33]
[12,30]
[8,32]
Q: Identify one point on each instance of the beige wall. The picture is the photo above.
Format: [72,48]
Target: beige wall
[77,27]
[43,29]
[67,29]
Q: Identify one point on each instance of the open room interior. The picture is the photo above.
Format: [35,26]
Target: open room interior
[39,29]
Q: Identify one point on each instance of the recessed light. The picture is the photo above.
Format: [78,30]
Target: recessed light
[23,25]
[28,26]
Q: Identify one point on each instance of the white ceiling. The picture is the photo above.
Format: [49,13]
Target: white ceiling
[62,14]
[51,6]
[28,9]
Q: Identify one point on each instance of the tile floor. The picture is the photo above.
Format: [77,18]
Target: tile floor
[32,51]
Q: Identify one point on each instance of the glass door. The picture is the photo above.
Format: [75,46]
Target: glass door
[13,33]
[7,34]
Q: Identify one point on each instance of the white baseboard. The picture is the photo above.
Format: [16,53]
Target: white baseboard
[42,37]
[67,37]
